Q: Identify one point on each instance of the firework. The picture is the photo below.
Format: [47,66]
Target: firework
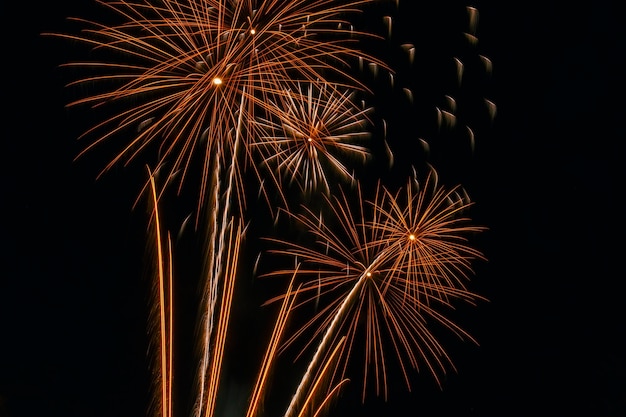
[393,264]
[163,331]
[214,88]
[187,80]
[187,77]
[316,131]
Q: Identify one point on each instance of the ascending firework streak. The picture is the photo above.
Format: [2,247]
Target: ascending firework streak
[226,297]
[208,380]
[164,335]
[392,264]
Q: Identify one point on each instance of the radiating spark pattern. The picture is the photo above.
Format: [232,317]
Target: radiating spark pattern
[387,269]
[179,69]
[319,130]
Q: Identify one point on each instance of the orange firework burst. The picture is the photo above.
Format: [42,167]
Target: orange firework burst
[393,265]
[315,130]
[193,74]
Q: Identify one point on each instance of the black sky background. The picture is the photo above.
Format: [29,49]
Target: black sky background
[547,179]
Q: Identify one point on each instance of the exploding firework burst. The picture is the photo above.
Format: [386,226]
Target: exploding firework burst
[316,133]
[386,270]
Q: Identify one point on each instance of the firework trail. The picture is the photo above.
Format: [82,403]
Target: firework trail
[163,302]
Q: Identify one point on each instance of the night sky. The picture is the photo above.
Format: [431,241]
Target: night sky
[547,177]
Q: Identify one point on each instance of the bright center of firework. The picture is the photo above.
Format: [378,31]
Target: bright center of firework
[369,274]
[217,80]
[310,139]
[411,236]
[252,31]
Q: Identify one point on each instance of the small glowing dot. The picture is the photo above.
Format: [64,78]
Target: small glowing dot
[310,139]
[252,31]
[217,80]
[411,236]
[369,274]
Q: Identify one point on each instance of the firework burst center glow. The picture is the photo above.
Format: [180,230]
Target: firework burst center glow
[314,134]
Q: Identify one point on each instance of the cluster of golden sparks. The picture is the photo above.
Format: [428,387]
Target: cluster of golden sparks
[225,87]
